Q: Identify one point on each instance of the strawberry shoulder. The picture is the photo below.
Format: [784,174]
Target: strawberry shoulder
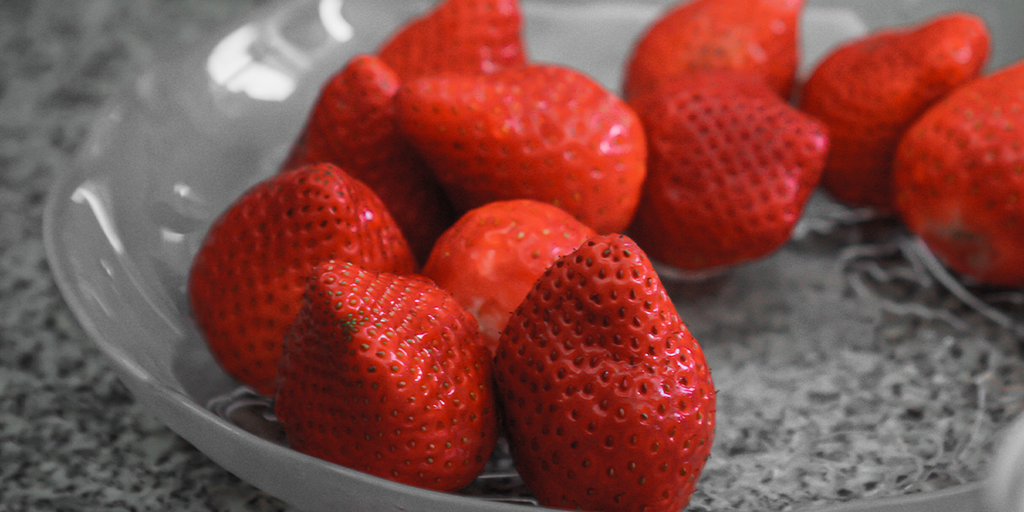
[386,374]
[246,281]
[490,258]
[871,90]
[607,399]
[542,132]
[352,125]
[756,37]
[731,167]
[458,36]
[959,178]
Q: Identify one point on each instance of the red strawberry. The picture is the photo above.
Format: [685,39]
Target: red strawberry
[958,178]
[731,167]
[386,374]
[758,37]
[870,91]
[539,132]
[353,126]
[607,399]
[247,279]
[491,257]
[458,36]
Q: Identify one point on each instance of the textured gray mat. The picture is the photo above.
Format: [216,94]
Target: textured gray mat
[71,437]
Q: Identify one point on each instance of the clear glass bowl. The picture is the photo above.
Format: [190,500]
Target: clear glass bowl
[821,333]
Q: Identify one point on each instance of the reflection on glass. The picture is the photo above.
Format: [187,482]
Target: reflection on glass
[263,60]
[171,237]
[182,190]
[234,65]
[334,23]
[89,193]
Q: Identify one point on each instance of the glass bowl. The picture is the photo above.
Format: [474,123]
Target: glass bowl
[828,356]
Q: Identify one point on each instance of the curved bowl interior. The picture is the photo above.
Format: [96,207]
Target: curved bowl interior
[195,131]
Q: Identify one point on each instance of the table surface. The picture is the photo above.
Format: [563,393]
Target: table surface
[71,436]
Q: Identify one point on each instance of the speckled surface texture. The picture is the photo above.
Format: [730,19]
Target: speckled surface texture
[71,436]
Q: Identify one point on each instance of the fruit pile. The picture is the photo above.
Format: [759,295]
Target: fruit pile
[441,259]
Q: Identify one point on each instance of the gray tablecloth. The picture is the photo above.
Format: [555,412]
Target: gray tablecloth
[71,436]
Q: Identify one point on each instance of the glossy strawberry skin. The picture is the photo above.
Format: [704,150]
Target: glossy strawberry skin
[247,279]
[458,36]
[958,178]
[607,398]
[540,132]
[757,37]
[386,374]
[731,167]
[491,257]
[869,91]
[352,125]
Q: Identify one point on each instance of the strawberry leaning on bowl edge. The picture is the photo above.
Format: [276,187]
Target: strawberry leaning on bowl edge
[731,167]
[490,258]
[869,91]
[607,399]
[353,126]
[458,36]
[958,178]
[386,374]
[758,37]
[246,281]
[541,132]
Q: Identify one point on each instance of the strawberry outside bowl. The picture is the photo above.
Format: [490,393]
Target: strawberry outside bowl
[852,373]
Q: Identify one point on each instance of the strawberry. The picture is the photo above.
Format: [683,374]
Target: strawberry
[490,258]
[607,399]
[958,178]
[246,281]
[758,37]
[731,167]
[458,36]
[869,91]
[386,374]
[540,132]
[352,125]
